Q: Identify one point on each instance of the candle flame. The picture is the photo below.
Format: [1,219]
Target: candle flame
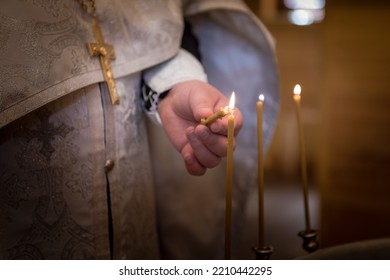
[232,101]
[261,97]
[297,89]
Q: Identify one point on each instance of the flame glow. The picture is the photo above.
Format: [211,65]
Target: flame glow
[261,97]
[232,101]
[297,89]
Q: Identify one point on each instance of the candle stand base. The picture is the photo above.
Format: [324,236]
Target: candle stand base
[263,253]
[310,242]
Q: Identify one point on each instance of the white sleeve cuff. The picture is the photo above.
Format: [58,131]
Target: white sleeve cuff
[182,67]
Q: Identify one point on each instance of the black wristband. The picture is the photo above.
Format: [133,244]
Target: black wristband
[151,98]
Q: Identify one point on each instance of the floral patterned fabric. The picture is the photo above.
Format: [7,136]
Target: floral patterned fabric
[68,174]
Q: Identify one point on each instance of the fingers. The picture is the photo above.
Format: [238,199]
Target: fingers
[220,126]
[214,143]
[203,150]
[203,154]
[191,163]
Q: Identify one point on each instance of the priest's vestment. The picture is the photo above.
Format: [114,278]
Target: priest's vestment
[76,179]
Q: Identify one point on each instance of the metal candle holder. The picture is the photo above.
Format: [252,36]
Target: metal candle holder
[310,242]
[263,253]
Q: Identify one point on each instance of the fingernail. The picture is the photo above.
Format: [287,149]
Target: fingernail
[189,160]
[204,133]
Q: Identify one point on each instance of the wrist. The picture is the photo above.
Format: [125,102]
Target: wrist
[158,80]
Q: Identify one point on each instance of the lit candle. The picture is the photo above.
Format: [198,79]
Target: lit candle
[260,169]
[261,251]
[229,177]
[297,99]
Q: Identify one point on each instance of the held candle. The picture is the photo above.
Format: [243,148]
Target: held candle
[260,170]
[297,99]
[217,115]
[229,179]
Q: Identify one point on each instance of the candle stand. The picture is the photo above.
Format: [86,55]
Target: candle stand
[310,242]
[263,253]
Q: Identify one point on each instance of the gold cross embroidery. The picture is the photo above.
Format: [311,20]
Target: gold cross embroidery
[106,53]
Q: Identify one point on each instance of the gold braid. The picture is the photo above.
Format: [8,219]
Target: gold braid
[89,6]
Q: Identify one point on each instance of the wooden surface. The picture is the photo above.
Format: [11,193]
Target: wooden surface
[354,147]
[343,65]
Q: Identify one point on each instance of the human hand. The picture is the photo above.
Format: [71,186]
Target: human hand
[201,146]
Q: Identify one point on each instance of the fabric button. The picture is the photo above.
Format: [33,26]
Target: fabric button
[109,165]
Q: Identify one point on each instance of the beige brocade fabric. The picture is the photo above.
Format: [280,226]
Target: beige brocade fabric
[58,129]
[53,181]
[43,49]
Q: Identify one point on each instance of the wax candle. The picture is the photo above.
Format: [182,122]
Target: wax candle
[260,170]
[229,178]
[217,115]
[297,99]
